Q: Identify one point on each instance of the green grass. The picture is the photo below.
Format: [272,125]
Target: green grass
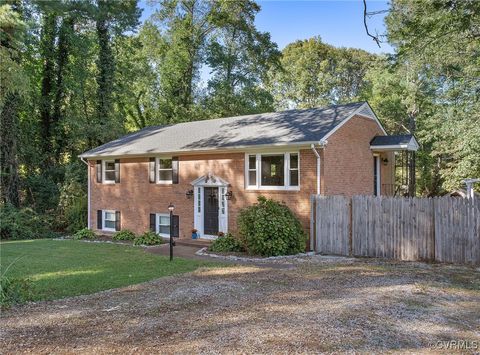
[64,268]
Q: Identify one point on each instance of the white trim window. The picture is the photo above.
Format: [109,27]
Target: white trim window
[272,171]
[108,221]
[165,171]
[163,224]
[108,171]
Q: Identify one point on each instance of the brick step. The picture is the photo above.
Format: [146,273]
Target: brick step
[200,243]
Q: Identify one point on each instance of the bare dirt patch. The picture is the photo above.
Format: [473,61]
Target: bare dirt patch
[314,307]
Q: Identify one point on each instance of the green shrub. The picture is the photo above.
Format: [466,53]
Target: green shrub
[76,214]
[24,223]
[269,228]
[124,234]
[148,238]
[84,233]
[227,243]
[14,291]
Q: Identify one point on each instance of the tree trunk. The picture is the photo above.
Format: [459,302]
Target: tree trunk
[106,68]
[66,29]
[48,53]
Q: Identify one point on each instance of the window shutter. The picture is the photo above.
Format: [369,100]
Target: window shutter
[99,171]
[175,170]
[152,170]
[99,219]
[117,220]
[117,170]
[152,222]
[176,226]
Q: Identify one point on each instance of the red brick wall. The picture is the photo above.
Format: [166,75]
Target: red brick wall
[136,198]
[347,168]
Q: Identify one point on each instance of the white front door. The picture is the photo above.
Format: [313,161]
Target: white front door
[207,201]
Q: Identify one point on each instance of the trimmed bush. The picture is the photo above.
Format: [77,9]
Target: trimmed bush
[84,233]
[124,234]
[148,238]
[270,228]
[226,243]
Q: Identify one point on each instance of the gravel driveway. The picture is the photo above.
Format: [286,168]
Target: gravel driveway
[315,306]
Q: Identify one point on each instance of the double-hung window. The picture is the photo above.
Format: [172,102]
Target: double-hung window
[165,171]
[272,171]
[163,225]
[109,171]
[109,220]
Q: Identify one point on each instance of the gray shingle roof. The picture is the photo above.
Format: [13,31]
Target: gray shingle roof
[286,127]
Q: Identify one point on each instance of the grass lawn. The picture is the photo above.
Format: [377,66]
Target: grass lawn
[61,268]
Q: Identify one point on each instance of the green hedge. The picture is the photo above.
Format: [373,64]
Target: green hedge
[24,223]
[227,243]
[270,228]
[124,234]
[84,233]
[148,238]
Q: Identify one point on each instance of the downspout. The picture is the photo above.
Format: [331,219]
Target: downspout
[88,189]
[322,143]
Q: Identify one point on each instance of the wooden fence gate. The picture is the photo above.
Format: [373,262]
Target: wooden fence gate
[445,229]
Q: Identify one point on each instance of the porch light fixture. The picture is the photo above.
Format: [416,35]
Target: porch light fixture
[189,193]
[385,161]
[229,195]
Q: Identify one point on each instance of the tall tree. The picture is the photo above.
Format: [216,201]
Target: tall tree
[240,57]
[112,18]
[317,74]
[441,39]
[48,38]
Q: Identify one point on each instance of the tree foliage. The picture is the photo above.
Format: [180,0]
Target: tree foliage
[78,73]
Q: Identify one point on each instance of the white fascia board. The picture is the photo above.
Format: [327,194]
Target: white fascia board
[246,148]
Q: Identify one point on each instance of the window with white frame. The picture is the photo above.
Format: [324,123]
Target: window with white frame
[163,224]
[252,170]
[165,171]
[109,220]
[293,169]
[272,171]
[109,171]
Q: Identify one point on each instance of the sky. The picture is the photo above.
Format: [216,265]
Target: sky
[339,23]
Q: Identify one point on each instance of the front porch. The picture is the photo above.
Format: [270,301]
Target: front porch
[404,149]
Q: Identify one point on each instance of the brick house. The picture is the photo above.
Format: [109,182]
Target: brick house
[212,169]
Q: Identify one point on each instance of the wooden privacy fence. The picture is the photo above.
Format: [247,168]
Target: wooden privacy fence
[445,229]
